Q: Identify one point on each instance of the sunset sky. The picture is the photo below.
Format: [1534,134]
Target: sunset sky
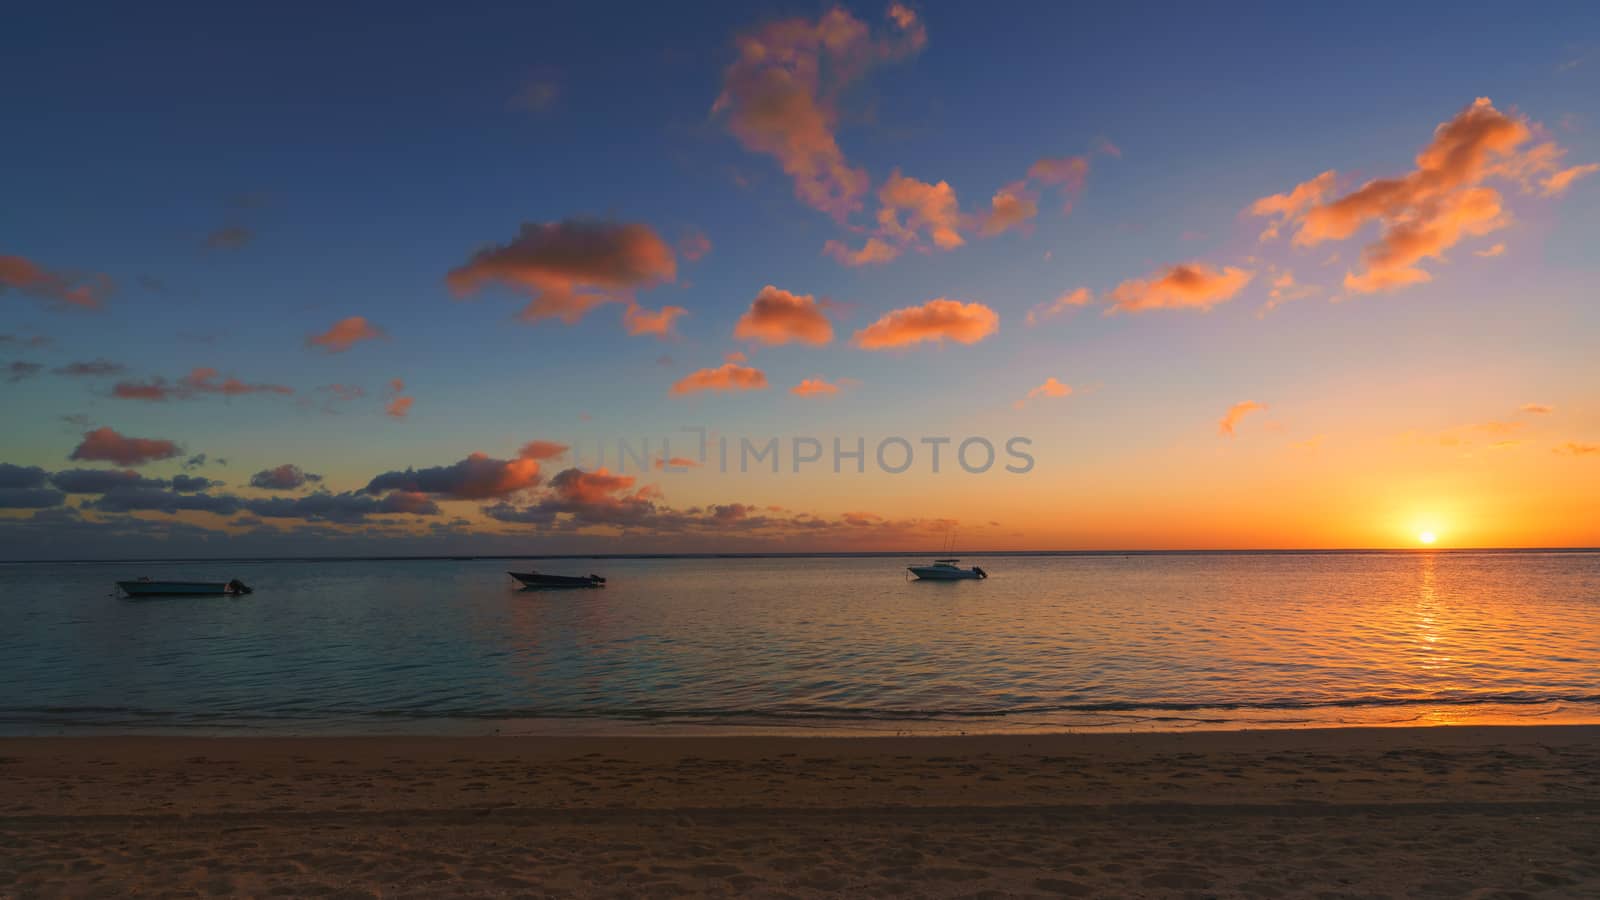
[308,281]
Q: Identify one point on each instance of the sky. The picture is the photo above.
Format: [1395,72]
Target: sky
[479,279]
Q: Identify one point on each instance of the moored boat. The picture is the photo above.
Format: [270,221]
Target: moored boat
[540,580]
[147,587]
[946,570]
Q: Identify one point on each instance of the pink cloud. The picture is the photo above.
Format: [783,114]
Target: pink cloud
[929,208]
[107,445]
[570,267]
[1183,286]
[873,252]
[1538,409]
[1558,182]
[399,407]
[777,316]
[1489,252]
[344,334]
[1235,414]
[694,245]
[638,320]
[26,277]
[780,97]
[541,450]
[1013,206]
[937,320]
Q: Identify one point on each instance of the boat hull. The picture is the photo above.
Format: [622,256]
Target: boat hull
[536,580]
[940,573]
[174,588]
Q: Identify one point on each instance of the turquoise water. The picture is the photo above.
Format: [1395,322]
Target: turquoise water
[814,644]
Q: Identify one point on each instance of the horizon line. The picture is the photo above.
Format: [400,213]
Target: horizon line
[809,554]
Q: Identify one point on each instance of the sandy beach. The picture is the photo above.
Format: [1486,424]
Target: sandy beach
[1399,812]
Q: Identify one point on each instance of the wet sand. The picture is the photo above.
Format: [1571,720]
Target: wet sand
[1392,812]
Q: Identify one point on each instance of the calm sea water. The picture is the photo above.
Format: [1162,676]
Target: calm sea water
[1153,641]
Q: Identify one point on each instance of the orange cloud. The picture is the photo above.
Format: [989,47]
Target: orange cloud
[1050,388]
[676,462]
[876,250]
[936,320]
[399,407]
[1391,262]
[781,96]
[730,376]
[1183,286]
[1070,300]
[1289,205]
[1573,448]
[107,445]
[1537,408]
[639,320]
[541,450]
[814,387]
[1235,413]
[930,208]
[478,477]
[1428,210]
[345,334]
[1558,182]
[1013,206]
[1285,289]
[578,486]
[26,277]
[1496,250]
[777,316]
[570,267]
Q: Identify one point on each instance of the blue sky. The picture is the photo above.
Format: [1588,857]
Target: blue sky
[368,152]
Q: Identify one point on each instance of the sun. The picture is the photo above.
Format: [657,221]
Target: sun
[1427,537]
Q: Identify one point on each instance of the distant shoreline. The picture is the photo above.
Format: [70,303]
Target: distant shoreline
[823,554]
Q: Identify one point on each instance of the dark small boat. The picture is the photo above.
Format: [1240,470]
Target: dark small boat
[537,580]
[145,587]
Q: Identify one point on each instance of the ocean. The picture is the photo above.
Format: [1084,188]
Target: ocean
[808,645]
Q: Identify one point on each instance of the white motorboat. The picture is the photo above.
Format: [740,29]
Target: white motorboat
[946,570]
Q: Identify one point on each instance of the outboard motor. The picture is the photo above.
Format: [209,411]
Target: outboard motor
[238,588]
[980,572]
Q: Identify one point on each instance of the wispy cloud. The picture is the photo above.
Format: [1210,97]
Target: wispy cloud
[1235,414]
[27,277]
[344,334]
[1070,300]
